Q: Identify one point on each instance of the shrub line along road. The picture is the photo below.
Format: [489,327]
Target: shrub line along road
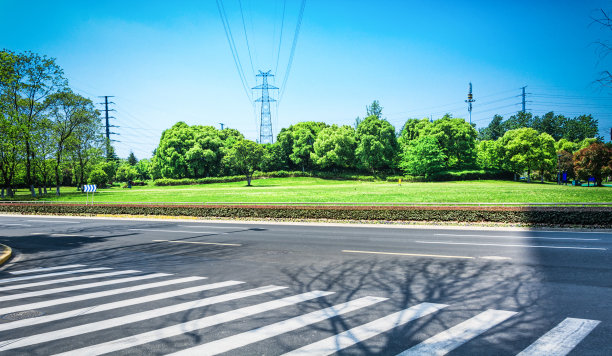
[93,286]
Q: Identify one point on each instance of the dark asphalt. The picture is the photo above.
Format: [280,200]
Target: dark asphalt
[543,276]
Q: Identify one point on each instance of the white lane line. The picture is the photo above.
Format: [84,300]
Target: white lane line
[405,254]
[56,221]
[106,293]
[198,243]
[561,339]
[66,235]
[519,237]
[55,274]
[129,319]
[45,269]
[15,225]
[114,305]
[77,287]
[450,339]
[193,325]
[361,333]
[215,227]
[235,341]
[70,279]
[511,245]
[184,231]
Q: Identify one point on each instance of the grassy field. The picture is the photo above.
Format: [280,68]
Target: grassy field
[320,190]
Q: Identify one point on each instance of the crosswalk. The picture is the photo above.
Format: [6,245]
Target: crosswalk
[76,310]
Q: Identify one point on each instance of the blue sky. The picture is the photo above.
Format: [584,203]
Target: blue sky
[170,61]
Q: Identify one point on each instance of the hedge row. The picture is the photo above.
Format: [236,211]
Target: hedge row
[585,216]
[441,176]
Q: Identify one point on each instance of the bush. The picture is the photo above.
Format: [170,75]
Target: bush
[471,175]
[98,177]
[584,216]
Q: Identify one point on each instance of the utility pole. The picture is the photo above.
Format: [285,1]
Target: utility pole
[470,100]
[107,124]
[265,126]
[221,125]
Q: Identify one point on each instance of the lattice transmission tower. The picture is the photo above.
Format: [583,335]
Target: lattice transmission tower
[265,125]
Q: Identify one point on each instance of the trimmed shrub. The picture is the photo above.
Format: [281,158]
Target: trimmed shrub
[577,216]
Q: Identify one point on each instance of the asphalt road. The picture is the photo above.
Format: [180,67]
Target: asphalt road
[94,286]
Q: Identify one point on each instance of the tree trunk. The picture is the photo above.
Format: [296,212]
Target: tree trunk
[515,177]
[249,177]
[39,190]
[2,194]
[542,176]
[57,177]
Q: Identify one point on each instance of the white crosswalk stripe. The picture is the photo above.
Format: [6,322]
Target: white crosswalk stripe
[351,337]
[194,325]
[268,331]
[561,339]
[70,279]
[78,287]
[47,303]
[38,276]
[448,340]
[131,318]
[44,269]
[114,305]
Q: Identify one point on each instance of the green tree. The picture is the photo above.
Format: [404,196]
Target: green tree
[518,121]
[334,147]
[246,156]
[413,128]
[521,150]
[376,144]
[126,172]
[490,154]
[546,159]
[594,161]
[422,157]
[99,178]
[374,109]
[565,145]
[550,123]
[273,158]
[85,147]
[457,138]
[28,80]
[297,142]
[493,131]
[132,160]
[580,128]
[68,111]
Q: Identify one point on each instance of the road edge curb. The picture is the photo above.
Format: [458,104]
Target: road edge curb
[6,253]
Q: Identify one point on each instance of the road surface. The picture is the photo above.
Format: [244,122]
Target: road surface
[96,286]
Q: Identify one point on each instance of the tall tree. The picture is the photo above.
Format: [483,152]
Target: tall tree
[68,111]
[546,154]
[422,157]
[457,139]
[132,160]
[581,127]
[374,109]
[494,130]
[246,156]
[33,78]
[376,144]
[521,153]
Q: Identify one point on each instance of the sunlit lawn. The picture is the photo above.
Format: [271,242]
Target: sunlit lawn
[321,190]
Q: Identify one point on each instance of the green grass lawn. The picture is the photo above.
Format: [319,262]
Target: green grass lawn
[344,191]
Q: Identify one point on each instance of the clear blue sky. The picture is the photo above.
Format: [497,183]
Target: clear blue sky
[166,61]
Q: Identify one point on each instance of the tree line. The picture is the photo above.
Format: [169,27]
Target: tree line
[50,136]
[522,144]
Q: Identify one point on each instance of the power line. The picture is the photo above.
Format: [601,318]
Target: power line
[293,45]
[232,44]
[246,37]
[280,39]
